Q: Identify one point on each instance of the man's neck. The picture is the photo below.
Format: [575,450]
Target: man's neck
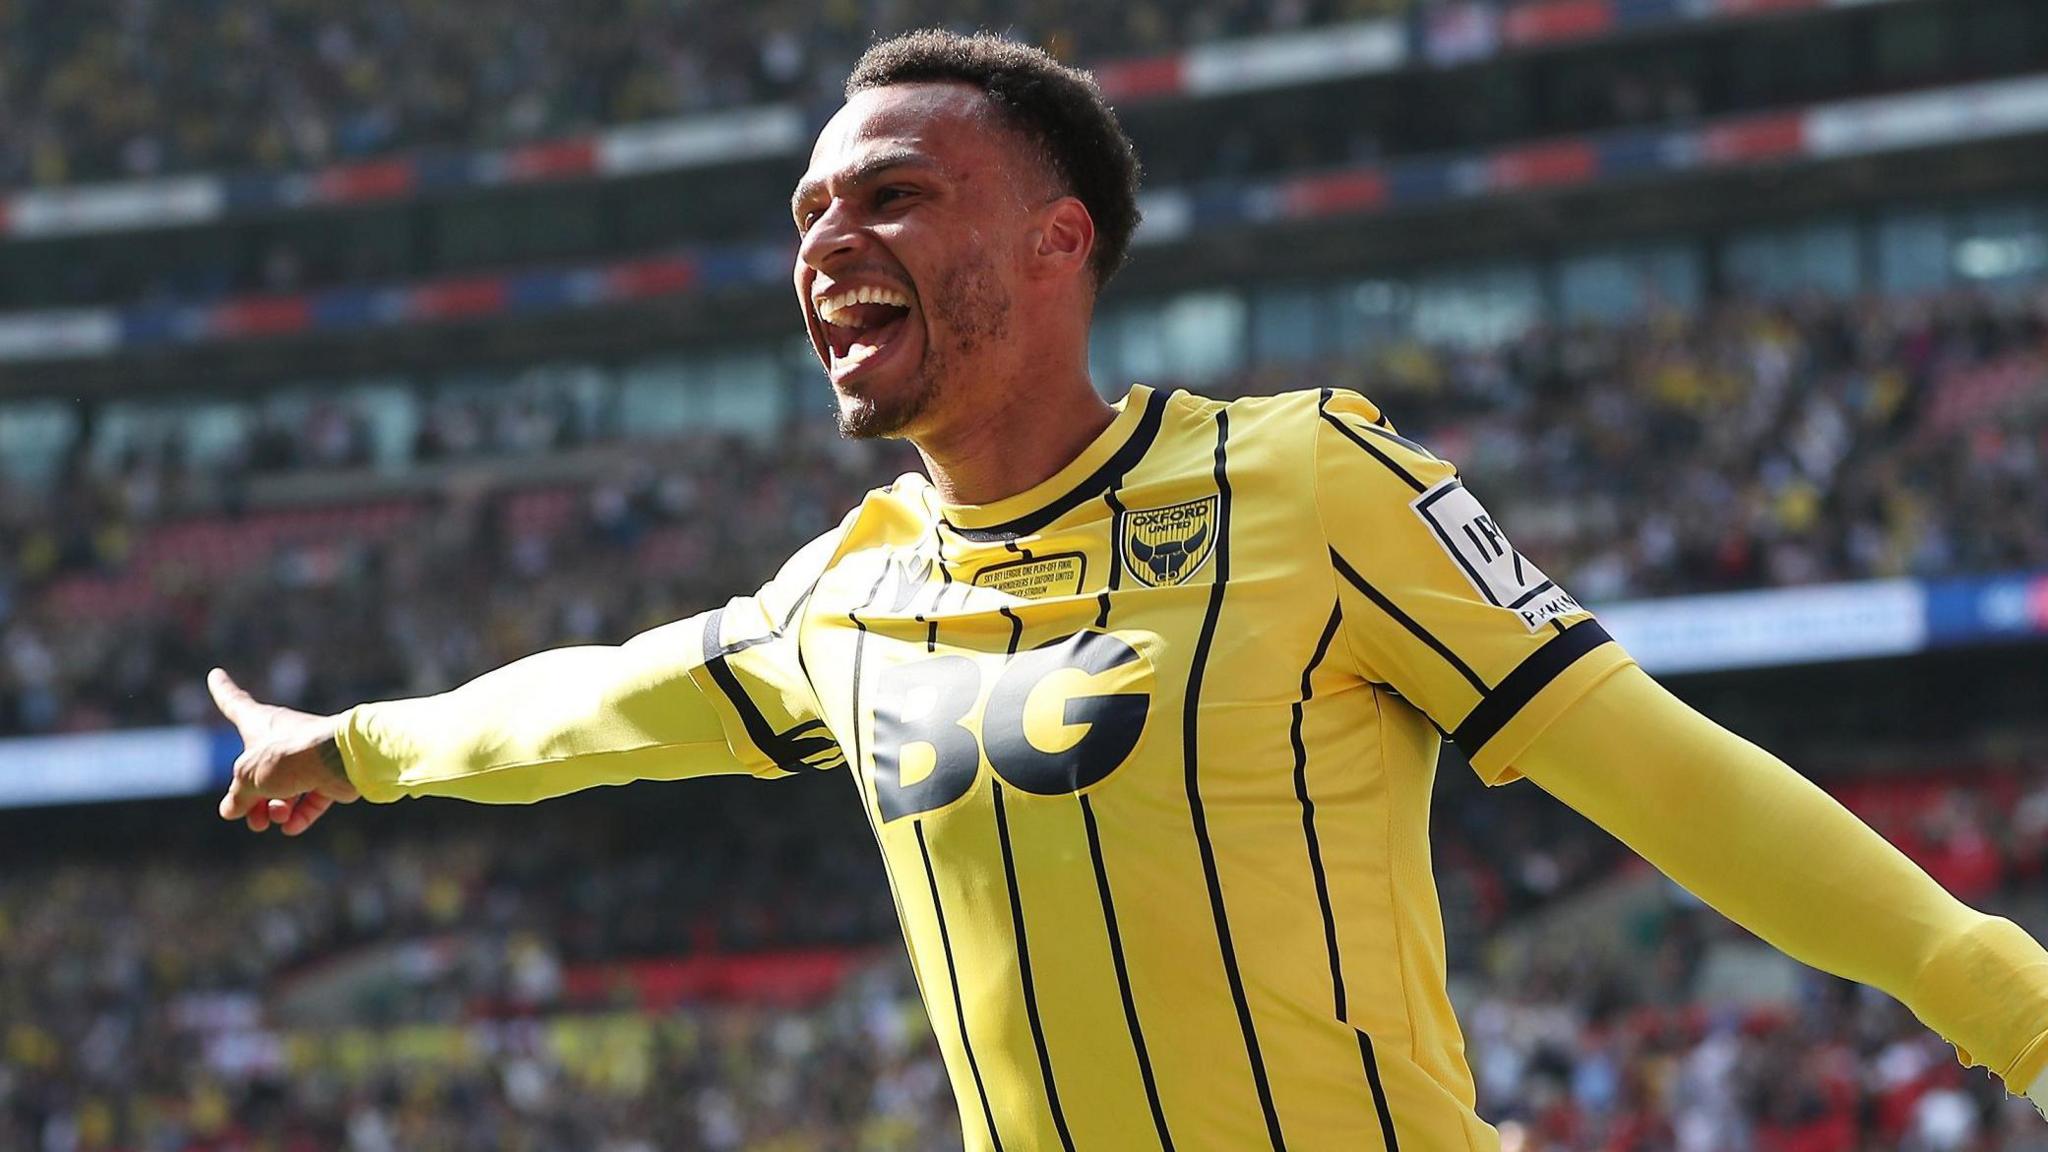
[1015,443]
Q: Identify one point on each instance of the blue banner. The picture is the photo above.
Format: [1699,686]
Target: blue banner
[1979,610]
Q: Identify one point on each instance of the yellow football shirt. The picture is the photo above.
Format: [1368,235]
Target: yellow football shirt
[1148,752]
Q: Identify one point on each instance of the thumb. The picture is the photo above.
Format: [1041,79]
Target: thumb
[233,702]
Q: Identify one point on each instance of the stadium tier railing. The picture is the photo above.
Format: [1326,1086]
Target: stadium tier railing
[1435,36]
[1818,133]
[1668,636]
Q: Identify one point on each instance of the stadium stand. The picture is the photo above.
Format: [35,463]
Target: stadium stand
[1749,445]
[259,84]
[256,82]
[491,999]
[1358,99]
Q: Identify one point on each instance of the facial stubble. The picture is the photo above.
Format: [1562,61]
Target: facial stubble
[970,309]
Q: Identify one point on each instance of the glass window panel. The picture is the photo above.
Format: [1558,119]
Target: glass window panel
[1912,253]
[589,391]
[1141,346]
[390,412]
[2001,244]
[659,398]
[288,407]
[1105,354]
[1622,284]
[1755,264]
[1676,277]
[1370,313]
[1204,335]
[745,394]
[315,425]
[34,438]
[1824,258]
[804,378]
[561,404]
[1830,259]
[1603,287]
[1476,308]
[1287,325]
[211,432]
[204,432]
[119,428]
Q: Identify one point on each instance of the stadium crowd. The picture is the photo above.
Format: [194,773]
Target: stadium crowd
[1748,446]
[144,1000]
[1642,1047]
[93,91]
[211,993]
[155,88]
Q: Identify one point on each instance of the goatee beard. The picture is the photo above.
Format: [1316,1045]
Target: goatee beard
[974,308]
[873,418]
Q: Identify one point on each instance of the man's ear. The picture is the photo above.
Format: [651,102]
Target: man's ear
[1066,238]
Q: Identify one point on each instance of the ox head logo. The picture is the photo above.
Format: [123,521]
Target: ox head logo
[1165,546]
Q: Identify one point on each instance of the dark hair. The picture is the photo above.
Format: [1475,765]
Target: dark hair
[1056,107]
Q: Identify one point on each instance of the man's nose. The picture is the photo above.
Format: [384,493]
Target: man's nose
[830,238]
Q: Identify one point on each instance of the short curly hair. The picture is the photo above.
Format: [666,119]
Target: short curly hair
[1058,108]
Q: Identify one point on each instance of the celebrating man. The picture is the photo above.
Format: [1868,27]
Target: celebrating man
[1143,700]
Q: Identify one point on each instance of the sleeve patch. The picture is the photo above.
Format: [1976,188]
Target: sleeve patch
[1503,576]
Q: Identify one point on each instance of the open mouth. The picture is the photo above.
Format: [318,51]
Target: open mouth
[860,325]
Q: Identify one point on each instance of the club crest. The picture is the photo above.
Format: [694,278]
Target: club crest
[1165,546]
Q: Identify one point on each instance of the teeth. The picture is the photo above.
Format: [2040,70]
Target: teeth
[831,307]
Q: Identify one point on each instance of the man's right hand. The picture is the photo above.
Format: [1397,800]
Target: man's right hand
[290,770]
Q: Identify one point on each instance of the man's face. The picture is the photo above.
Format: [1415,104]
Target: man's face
[912,218]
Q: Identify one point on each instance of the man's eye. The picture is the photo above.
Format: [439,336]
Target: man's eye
[887,195]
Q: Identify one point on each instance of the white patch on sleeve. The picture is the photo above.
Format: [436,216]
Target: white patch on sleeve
[1481,550]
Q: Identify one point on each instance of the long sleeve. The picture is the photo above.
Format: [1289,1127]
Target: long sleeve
[1745,833]
[552,723]
[721,692]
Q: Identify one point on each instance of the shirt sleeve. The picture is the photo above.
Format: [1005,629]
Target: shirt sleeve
[720,692]
[1761,844]
[752,671]
[1437,605]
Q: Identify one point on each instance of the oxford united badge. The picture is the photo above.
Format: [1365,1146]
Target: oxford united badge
[1165,546]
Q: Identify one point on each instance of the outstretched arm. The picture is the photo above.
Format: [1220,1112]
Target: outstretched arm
[555,722]
[1745,833]
[723,691]
[1437,604]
